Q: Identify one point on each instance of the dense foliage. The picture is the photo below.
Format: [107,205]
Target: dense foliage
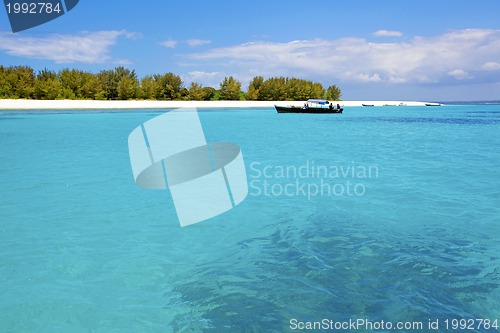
[123,84]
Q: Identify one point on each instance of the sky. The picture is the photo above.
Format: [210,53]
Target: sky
[438,50]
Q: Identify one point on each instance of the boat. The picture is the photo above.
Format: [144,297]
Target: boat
[312,106]
[368,104]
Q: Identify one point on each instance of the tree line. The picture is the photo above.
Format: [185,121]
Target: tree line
[123,84]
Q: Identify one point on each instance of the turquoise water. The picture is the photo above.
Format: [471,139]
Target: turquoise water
[83,249]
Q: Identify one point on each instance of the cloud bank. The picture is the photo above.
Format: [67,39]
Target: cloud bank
[455,57]
[387,33]
[171,43]
[86,47]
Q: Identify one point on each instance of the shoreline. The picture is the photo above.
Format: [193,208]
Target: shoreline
[23,104]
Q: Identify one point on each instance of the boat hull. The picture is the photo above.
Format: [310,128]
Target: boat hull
[294,109]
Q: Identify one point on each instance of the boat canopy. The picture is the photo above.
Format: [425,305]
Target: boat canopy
[318,101]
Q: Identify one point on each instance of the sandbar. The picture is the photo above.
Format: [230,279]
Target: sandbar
[24,104]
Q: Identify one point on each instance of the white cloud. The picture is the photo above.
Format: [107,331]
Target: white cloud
[491,66]
[387,33]
[169,43]
[197,42]
[369,78]
[459,74]
[457,55]
[211,79]
[132,35]
[190,42]
[86,47]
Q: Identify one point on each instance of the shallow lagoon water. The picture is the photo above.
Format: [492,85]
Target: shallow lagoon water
[83,249]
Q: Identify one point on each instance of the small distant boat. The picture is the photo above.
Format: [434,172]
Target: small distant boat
[400,104]
[432,104]
[312,106]
[368,104]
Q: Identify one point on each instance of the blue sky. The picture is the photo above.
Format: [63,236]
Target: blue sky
[403,50]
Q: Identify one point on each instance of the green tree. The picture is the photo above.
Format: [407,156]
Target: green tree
[183,94]
[109,84]
[77,84]
[122,83]
[5,87]
[17,82]
[285,88]
[209,93]
[273,89]
[196,92]
[333,93]
[47,85]
[296,89]
[230,89]
[300,89]
[128,88]
[167,86]
[147,88]
[70,83]
[91,86]
[25,85]
[254,88]
[317,90]
[110,81]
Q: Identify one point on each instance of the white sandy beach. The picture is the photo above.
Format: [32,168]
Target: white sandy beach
[22,104]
